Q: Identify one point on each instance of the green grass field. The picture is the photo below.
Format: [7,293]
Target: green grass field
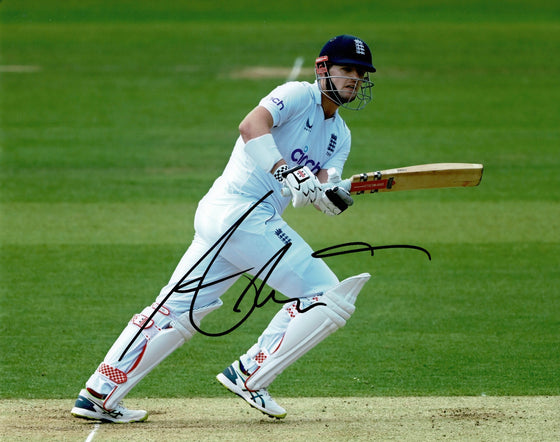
[116,117]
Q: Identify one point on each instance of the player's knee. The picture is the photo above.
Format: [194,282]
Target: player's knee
[188,322]
[343,295]
[339,300]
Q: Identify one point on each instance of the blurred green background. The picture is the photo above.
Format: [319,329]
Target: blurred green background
[116,117]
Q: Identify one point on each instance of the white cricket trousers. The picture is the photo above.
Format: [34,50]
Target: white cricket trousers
[255,241]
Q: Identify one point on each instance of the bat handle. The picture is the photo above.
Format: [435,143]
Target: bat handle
[345,184]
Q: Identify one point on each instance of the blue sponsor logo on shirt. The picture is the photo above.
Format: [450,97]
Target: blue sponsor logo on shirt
[278,102]
[300,157]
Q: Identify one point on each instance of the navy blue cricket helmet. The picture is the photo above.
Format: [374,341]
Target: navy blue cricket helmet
[345,50]
[348,50]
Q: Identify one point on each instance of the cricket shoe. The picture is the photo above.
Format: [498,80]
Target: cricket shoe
[234,377]
[90,407]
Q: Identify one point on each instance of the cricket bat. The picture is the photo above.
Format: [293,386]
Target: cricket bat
[424,176]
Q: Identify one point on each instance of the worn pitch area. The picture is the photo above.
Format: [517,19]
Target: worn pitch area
[377,418]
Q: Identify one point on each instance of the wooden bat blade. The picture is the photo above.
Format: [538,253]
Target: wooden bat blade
[424,176]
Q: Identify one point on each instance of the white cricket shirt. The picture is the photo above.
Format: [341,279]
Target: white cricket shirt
[303,136]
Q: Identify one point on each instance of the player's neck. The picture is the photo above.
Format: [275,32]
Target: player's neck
[329,106]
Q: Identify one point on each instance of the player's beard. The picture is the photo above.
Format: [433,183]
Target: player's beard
[333,94]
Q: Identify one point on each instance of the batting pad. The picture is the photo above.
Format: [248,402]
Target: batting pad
[307,329]
[156,348]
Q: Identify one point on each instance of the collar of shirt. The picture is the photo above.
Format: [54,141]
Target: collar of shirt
[317,96]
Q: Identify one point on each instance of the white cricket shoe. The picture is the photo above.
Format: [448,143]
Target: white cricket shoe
[234,377]
[90,407]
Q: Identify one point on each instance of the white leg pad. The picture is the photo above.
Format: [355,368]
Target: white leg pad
[307,329]
[157,347]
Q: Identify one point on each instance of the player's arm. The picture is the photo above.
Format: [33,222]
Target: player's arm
[257,122]
[255,131]
[323,176]
[260,145]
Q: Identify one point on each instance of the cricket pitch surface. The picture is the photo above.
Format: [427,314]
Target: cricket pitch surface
[531,418]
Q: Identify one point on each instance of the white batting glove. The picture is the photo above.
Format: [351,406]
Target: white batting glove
[304,187]
[334,199]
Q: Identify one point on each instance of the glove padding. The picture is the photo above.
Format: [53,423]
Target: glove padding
[304,186]
[334,199]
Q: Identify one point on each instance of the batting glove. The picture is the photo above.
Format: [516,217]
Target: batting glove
[334,199]
[304,187]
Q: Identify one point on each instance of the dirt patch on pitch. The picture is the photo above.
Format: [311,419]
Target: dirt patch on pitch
[258,72]
[204,419]
[19,68]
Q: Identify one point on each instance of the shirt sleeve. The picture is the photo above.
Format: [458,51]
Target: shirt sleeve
[286,101]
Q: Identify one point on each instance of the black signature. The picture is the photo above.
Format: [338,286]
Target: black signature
[195,285]
[182,285]
[343,249]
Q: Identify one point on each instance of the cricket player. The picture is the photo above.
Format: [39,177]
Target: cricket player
[292,148]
